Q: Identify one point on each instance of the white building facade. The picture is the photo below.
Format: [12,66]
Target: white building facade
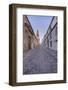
[50,38]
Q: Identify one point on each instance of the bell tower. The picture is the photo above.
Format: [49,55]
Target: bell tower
[38,39]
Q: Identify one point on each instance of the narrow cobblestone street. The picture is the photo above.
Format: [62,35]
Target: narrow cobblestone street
[40,60]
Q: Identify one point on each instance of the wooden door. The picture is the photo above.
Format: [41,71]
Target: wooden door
[29,42]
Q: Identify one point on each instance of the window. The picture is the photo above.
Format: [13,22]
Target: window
[55,40]
[56,31]
[51,35]
[50,43]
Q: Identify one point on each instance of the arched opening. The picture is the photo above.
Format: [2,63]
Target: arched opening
[29,42]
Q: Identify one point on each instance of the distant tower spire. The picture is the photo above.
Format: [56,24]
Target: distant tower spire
[37,35]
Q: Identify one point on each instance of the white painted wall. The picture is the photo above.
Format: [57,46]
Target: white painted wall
[54,37]
[4,47]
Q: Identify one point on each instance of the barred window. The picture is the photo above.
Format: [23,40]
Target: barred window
[50,43]
[51,35]
[56,31]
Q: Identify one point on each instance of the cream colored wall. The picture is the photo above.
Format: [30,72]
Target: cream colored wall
[34,43]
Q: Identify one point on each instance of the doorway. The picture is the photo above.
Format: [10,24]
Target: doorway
[29,42]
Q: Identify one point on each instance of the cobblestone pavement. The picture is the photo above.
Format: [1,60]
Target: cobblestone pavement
[40,60]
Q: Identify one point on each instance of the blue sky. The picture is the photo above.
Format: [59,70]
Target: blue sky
[40,23]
